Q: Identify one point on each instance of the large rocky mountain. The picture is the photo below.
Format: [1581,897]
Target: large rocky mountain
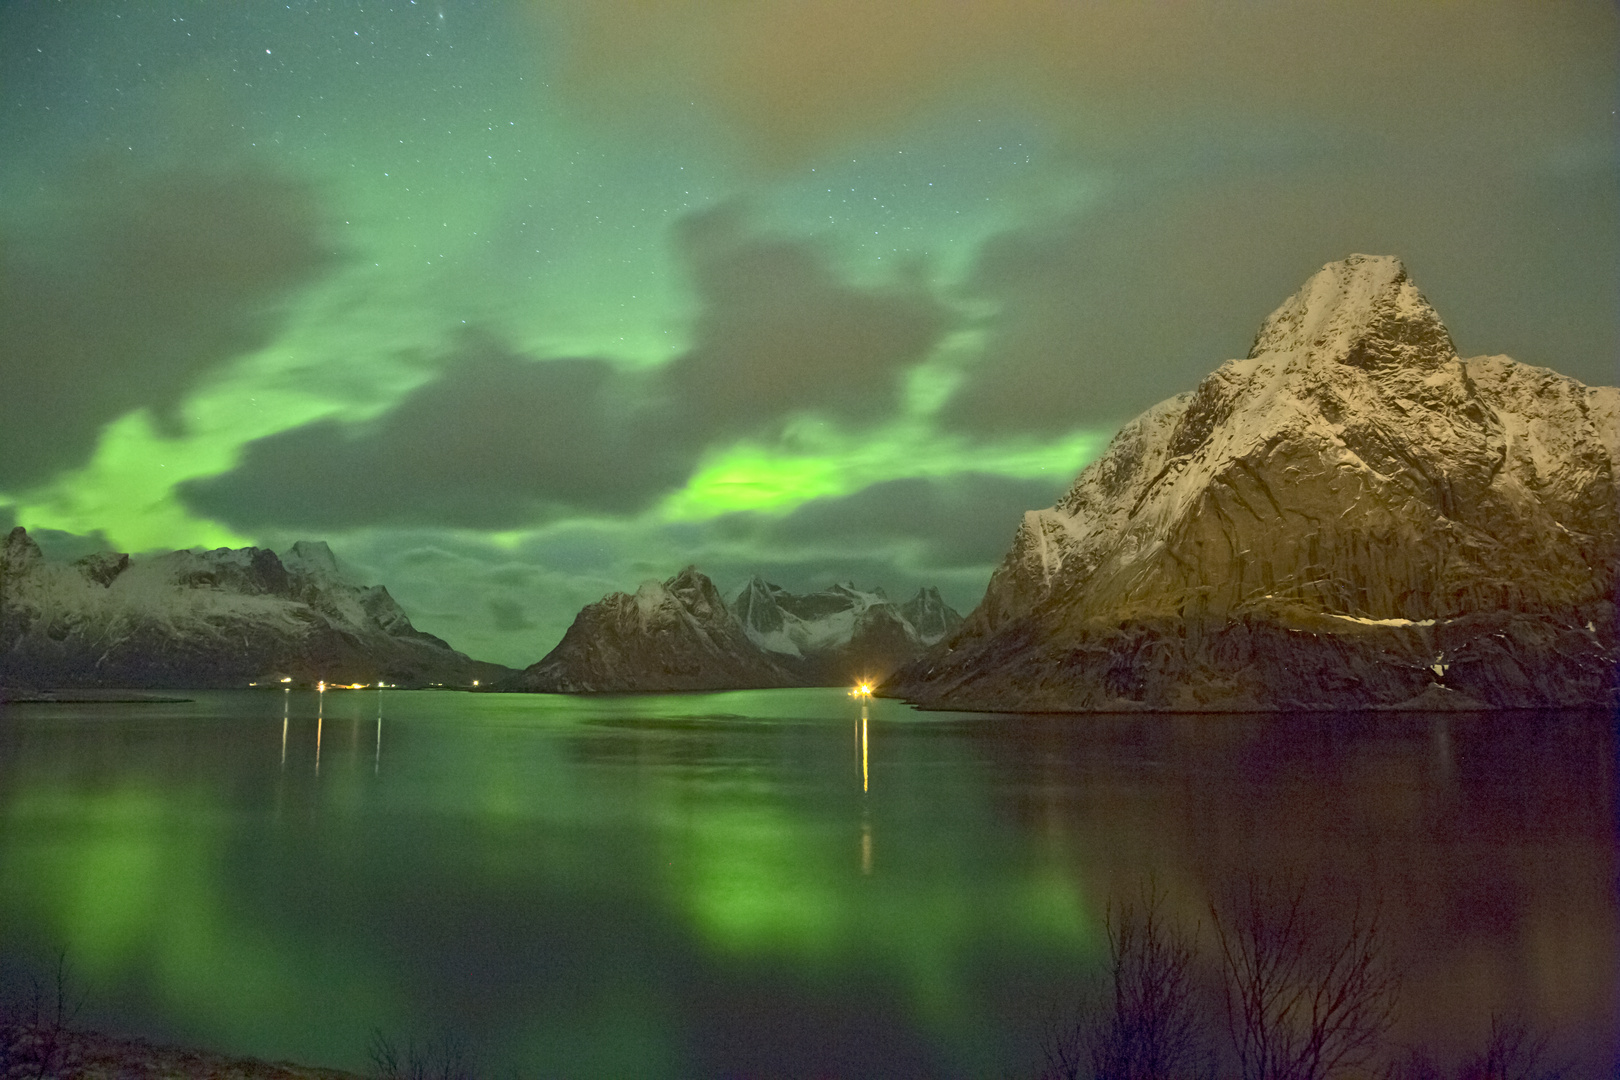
[681,635]
[1351,516]
[199,619]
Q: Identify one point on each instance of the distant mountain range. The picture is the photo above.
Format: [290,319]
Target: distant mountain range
[200,619]
[1351,516]
[681,634]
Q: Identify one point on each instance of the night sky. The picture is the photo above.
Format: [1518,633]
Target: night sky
[519,304]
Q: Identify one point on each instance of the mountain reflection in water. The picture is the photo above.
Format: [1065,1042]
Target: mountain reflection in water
[707,884]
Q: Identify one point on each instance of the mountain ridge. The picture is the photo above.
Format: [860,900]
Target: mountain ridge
[199,619]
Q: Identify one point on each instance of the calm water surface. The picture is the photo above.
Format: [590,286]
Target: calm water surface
[745,884]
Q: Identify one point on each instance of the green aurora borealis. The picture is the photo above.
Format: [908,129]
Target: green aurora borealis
[517,304]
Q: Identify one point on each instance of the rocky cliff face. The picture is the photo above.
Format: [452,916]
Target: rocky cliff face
[198,619]
[681,635]
[1350,516]
[674,635]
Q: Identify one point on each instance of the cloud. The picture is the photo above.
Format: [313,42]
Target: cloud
[507,616]
[500,440]
[967,519]
[497,440]
[1103,314]
[779,332]
[144,285]
[795,78]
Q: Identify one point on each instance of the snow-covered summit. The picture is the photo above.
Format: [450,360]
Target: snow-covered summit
[1364,311]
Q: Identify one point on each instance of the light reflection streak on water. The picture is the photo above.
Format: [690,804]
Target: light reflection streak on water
[864,783]
[866,821]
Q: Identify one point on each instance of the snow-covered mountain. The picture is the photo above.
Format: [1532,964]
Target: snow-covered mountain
[1350,516]
[681,635]
[841,634]
[208,619]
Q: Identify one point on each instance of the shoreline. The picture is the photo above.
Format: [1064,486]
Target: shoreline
[92,1055]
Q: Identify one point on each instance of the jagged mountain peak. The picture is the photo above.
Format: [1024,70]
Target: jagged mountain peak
[756,606]
[20,549]
[103,567]
[1363,310]
[690,591]
[929,615]
[311,556]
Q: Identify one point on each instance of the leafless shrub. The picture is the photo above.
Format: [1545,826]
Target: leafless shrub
[35,1036]
[1303,1000]
[1513,1053]
[1146,1025]
[442,1058]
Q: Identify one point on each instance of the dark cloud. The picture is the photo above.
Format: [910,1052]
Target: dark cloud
[1141,296]
[780,332]
[144,285]
[508,616]
[963,520]
[499,440]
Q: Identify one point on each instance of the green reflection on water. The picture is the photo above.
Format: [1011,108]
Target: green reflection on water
[574,861]
[753,877]
[128,881]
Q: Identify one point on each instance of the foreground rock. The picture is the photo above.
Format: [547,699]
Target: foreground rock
[682,635]
[198,619]
[1350,517]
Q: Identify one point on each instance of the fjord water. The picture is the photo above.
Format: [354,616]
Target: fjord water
[755,883]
